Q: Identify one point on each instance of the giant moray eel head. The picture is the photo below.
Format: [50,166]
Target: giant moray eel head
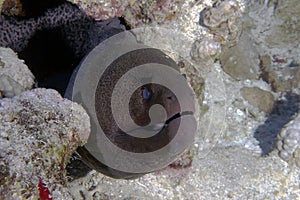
[141,101]
[147,96]
[155,112]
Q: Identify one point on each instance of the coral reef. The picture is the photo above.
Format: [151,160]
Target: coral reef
[136,13]
[102,10]
[289,141]
[285,30]
[229,171]
[144,12]
[285,107]
[195,79]
[177,15]
[223,19]
[12,8]
[39,131]
[278,33]
[15,76]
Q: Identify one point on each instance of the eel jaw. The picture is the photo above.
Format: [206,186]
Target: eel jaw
[178,115]
[152,129]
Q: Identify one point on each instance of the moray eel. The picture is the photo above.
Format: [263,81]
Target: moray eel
[63,38]
[100,88]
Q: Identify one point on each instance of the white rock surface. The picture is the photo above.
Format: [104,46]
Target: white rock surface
[39,131]
[226,173]
[15,77]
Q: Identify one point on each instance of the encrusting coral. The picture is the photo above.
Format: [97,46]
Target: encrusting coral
[289,142]
[39,131]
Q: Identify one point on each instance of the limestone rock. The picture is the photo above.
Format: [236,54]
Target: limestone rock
[11,7]
[102,10]
[141,12]
[286,31]
[282,79]
[241,61]
[39,131]
[205,49]
[262,99]
[223,19]
[15,77]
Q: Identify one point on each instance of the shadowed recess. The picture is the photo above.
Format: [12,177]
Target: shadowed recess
[281,114]
[50,59]
[54,38]
[33,8]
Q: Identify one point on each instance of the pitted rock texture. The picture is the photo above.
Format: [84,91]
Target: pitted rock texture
[102,10]
[289,142]
[281,78]
[262,99]
[39,131]
[241,61]
[223,19]
[15,77]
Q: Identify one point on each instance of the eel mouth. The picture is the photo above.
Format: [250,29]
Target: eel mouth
[152,129]
[178,115]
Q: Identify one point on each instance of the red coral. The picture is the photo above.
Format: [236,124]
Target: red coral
[44,191]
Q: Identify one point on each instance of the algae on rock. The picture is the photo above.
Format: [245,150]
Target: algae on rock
[39,131]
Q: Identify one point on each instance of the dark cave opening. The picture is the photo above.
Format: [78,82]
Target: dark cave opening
[50,59]
[51,53]
[34,8]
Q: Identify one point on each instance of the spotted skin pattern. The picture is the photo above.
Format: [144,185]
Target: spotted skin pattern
[80,31]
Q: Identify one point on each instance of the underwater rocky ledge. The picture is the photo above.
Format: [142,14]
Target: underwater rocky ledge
[254,47]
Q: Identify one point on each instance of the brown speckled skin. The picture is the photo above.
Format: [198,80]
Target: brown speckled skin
[138,108]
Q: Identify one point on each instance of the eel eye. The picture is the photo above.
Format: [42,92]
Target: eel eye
[146,93]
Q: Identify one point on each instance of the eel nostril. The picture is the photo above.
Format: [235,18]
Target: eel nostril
[172,98]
